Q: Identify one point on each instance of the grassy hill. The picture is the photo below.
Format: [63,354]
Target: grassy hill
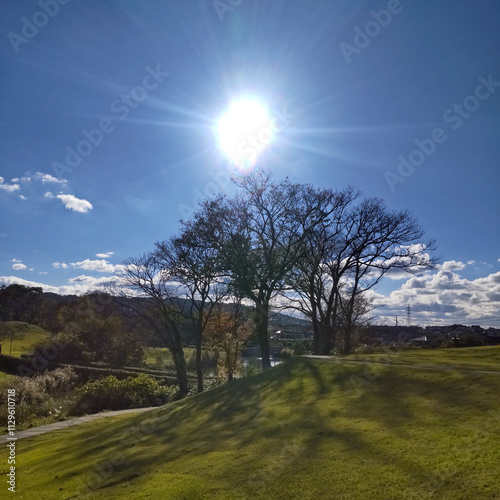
[307,429]
[481,358]
[25,337]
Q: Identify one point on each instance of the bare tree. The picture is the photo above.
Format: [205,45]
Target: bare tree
[347,257]
[265,226]
[152,294]
[194,262]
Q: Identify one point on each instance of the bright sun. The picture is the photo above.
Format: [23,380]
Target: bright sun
[244,131]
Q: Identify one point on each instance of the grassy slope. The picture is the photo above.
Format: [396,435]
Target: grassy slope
[25,340]
[306,429]
[487,358]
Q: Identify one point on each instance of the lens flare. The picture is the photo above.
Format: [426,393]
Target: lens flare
[244,131]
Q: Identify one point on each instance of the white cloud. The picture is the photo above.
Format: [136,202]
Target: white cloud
[71,202]
[8,187]
[104,255]
[91,280]
[22,197]
[60,265]
[451,265]
[101,266]
[18,267]
[76,204]
[49,178]
[78,286]
[443,298]
[43,272]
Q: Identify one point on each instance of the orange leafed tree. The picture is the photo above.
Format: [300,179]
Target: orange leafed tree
[227,331]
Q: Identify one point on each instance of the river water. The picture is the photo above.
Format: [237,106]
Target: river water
[246,361]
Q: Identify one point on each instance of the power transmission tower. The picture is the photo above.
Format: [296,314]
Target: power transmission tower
[408,315]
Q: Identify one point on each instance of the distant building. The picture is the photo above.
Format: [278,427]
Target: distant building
[420,341]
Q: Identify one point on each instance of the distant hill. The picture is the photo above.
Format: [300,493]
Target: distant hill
[277,320]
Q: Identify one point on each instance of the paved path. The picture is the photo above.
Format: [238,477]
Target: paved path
[35,431]
[439,368]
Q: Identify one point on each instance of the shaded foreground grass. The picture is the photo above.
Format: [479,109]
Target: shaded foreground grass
[306,429]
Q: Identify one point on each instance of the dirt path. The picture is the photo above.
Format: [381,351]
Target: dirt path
[36,431]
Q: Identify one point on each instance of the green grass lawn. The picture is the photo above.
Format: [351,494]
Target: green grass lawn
[306,429]
[485,358]
[154,355]
[24,340]
[5,376]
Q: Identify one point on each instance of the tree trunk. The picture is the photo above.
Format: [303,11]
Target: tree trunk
[180,367]
[316,336]
[199,370]
[325,339]
[261,325]
[229,365]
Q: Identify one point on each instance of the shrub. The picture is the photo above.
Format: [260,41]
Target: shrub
[248,370]
[112,394]
[36,396]
[301,347]
[287,353]
[365,349]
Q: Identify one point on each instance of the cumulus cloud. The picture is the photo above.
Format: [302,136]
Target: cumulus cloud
[47,178]
[76,204]
[60,265]
[104,255]
[77,286]
[71,202]
[452,265]
[91,281]
[443,298]
[8,187]
[18,265]
[101,266]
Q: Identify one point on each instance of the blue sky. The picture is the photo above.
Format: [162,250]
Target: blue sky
[398,98]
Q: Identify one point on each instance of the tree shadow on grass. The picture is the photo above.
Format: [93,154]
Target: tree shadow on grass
[257,417]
